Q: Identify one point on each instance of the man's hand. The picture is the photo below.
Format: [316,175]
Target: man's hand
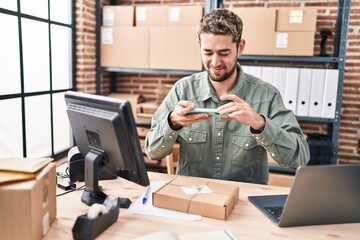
[241,111]
[180,118]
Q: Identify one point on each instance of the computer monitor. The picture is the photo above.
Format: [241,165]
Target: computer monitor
[105,132]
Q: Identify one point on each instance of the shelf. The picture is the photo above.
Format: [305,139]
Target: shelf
[146,70]
[316,119]
[289,59]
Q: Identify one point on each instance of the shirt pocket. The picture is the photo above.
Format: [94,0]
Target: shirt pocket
[246,151]
[192,145]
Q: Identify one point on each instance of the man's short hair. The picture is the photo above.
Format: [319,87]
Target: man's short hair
[221,22]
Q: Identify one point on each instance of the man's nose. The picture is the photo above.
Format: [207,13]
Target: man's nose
[215,60]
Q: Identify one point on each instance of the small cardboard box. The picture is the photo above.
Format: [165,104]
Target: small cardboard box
[258,32]
[184,16]
[163,54]
[134,100]
[126,47]
[28,207]
[118,16]
[294,44]
[300,19]
[149,16]
[198,196]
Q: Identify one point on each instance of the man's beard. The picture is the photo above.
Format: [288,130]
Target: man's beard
[223,77]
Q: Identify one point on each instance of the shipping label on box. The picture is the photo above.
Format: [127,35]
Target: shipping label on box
[296,19]
[197,196]
[118,16]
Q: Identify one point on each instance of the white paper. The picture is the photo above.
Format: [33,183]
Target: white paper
[196,189]
[140,13]
[296,16]
[108,17]
[107,36]
[281,40]
[138,207]
[174,15]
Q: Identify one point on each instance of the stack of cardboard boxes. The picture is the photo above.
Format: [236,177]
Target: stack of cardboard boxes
[156,37]
[278,31]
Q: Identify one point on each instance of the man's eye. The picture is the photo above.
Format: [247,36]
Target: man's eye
[224,53]
[207,53]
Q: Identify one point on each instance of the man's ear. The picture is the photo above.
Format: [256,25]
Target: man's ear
[241,47]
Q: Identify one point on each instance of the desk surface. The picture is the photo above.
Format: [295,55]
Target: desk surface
[245,221]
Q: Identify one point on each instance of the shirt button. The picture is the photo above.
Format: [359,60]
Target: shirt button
[163,146]
[273,154]
[217,158]
[257,138]
[173,133]
[247,145]
[190,139]
[170,137]
[219,134]
[262,143]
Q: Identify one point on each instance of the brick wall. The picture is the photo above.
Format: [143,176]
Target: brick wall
[146,84]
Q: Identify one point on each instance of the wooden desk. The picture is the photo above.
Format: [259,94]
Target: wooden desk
[245,221]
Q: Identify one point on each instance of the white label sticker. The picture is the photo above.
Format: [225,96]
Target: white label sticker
[46,223]
[296,16]
[196,189]
[107,36]
[281,40]
[108,17]
[174,15]
[140,13]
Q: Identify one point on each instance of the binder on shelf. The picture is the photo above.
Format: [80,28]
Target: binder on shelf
[304,88]
[330,93]
[267,74]
[317,92]
[291,88]
[255,71]
[280,80]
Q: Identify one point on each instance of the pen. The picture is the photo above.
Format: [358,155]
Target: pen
[146,195]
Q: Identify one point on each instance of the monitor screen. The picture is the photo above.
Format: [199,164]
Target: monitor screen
[105,132]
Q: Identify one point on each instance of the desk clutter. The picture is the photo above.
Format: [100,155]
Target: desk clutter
[27,197]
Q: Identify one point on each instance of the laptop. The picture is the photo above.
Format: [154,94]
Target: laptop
[322,194]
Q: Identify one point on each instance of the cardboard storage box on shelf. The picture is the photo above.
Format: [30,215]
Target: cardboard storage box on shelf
[295,31]
[145,111]
[148,16]
[118,16]
[163,54]
[258,32]
[198,196]
[28,207]
[184,15]
[125,47]
[134,100]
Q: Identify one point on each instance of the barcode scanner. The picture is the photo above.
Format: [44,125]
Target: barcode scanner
[325,33]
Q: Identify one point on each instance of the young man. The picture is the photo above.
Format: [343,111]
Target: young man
[233,148]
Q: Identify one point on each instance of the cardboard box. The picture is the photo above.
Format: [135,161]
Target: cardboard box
[134,100]
[258,32]
[118,16]
[148,16]
[294,44]
[28,207]
[184,16]
[301,19]
[174,48]
[198,196]
[126,47]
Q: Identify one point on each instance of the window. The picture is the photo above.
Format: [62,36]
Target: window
[36,70]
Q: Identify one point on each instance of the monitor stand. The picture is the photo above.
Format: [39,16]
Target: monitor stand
[93,193]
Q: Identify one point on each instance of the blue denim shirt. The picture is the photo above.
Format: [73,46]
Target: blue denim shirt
[228,150]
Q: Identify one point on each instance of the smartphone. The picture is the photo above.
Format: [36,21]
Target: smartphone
[209,111]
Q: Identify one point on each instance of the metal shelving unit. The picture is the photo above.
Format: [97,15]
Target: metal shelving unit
[337,61]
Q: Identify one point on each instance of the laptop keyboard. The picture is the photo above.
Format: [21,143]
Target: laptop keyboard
[276,211]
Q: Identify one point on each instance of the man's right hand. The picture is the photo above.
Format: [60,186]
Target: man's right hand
[180,118]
